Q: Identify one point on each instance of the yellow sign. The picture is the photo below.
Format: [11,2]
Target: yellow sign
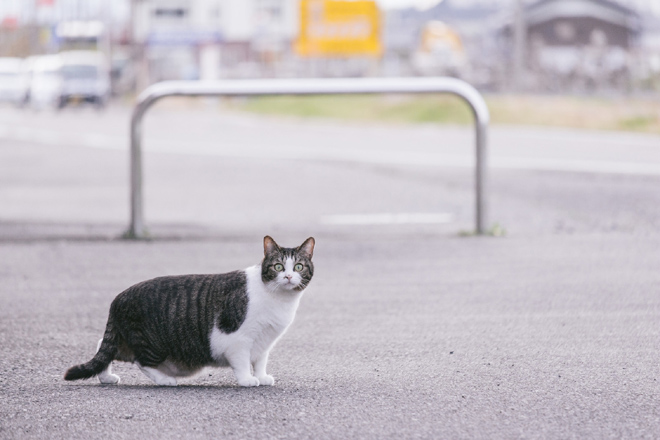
[339,28]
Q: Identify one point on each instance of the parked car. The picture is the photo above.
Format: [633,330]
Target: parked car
[27,69]
[45,81]
[10,80]
[86,78]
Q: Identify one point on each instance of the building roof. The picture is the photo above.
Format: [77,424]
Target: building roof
[605,10]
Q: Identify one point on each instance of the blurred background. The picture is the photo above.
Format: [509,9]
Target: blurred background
[95,50]
[545,68]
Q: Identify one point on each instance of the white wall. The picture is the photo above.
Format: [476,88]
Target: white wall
[237,19]
[291,18]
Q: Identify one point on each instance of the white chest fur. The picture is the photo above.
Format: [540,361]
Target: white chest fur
[269,314]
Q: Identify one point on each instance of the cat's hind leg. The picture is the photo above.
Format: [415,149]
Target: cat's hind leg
[157,377]
[106,376]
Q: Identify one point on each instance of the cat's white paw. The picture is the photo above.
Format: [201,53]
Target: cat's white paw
[109,379]
[249,381]
[266,380]
[158,377]
[167,381]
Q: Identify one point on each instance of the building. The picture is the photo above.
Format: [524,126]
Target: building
[208,39]
[580,23]
[405,29]
[575,45]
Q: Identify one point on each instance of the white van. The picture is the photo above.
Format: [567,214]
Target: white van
[46,81]
[86,78]
[10,80]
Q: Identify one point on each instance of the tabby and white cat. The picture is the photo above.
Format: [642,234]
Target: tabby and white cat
[174,326]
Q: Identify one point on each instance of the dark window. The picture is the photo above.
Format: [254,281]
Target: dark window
[161,12]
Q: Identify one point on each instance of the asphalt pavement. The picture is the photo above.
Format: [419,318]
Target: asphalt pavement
[411,328]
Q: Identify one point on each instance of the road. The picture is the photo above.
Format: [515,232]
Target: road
[409,329]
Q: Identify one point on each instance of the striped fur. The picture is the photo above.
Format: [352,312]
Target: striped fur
[166,325]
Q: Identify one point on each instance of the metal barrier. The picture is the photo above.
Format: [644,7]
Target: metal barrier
[306,87]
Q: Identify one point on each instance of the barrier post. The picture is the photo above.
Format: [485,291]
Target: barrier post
[270,87]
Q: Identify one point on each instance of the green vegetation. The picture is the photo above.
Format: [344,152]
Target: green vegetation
[559,111]
[638,123]
[494,231]
[445,109]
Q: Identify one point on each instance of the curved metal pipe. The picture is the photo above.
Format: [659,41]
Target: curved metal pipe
[264,87]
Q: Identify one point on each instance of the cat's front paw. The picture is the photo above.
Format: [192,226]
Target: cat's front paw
[249,381]
[266,379]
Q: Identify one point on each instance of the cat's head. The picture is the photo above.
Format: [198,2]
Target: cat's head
[287,268]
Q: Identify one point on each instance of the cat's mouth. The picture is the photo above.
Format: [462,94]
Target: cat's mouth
[289,284]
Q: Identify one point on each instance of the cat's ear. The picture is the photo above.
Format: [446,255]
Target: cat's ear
[307,247]
[270,246]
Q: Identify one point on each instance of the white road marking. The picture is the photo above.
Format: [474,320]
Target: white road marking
[293,152]
[387,219]
[583,166]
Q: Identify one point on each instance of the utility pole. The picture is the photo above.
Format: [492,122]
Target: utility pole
[139,30]
[519,47]
[34,31]
[105,13]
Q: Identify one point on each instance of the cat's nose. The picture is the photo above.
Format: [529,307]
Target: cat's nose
[288,277]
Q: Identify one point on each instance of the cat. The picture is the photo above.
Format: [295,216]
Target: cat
[174,326]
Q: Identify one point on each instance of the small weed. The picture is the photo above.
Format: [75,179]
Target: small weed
[494,231]
[638,123]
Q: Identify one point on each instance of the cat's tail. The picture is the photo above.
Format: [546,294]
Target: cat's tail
[106,353]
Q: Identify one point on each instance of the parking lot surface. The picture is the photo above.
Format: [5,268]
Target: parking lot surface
[408,330]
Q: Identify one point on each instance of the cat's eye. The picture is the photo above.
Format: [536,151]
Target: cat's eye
[279,267]
[298,267]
